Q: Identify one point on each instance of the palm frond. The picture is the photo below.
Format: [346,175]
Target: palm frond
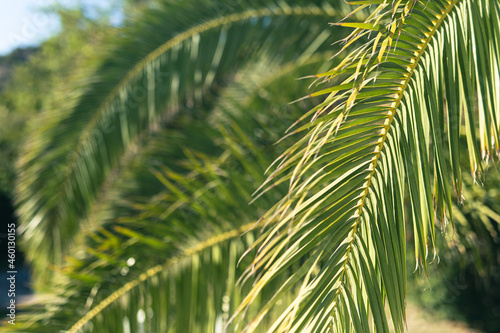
[174,58]
[390,127]
[168,262]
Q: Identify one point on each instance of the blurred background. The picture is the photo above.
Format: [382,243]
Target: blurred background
[42,42]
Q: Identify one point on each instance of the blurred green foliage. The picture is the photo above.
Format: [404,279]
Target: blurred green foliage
[464,283]
[30,79]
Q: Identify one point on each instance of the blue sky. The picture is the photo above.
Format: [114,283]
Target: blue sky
[24,22]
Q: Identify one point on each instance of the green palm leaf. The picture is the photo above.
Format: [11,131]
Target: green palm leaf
[173,59]
[389,127]
[169,263]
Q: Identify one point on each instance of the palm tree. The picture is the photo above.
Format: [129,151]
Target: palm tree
[143,178]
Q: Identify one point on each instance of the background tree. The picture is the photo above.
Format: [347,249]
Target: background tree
[29,88]
[28,83]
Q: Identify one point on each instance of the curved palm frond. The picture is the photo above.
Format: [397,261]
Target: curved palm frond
[174,58]
[390,127]
[169,262]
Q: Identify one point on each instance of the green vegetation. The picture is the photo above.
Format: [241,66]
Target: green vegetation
[147,142]
[41,82]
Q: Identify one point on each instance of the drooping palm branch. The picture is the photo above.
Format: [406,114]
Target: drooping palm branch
[172,60]
[425,69]
[171,259]
[117,186]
